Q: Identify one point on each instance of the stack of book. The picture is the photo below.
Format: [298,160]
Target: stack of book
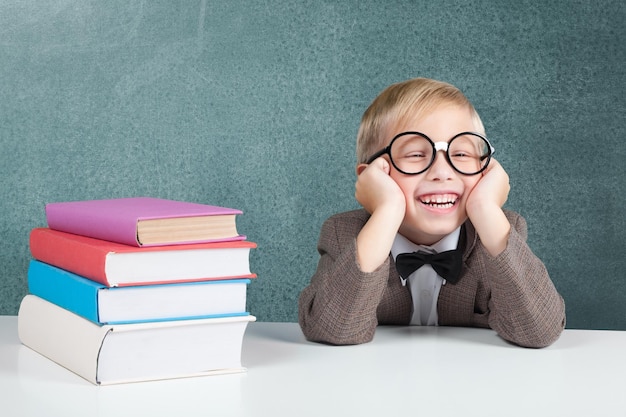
[138,289]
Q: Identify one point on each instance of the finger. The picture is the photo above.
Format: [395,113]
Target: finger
[493,165]
[383,164]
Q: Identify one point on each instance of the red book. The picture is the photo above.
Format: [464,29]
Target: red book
[113,264]
[144,221]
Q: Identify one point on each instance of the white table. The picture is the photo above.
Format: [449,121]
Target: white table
[405,371]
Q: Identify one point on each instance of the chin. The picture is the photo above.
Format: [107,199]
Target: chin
[430,232]
[427,226]
[425,235]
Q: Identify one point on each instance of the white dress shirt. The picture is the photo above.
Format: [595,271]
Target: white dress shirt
[424,283]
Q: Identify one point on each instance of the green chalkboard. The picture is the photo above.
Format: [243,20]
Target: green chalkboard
[255,105]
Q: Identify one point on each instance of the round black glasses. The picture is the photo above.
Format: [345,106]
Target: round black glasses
[412,153]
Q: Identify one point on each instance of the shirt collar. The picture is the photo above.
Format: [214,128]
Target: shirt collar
[403,245]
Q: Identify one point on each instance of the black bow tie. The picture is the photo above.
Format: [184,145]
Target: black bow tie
[447,264]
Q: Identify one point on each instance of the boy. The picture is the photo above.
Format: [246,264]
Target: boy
[428,184]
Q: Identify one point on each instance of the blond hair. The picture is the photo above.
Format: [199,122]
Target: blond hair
[401,101]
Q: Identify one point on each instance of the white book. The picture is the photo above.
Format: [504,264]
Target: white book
[113,354]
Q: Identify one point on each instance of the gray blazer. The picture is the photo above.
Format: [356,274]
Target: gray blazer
[511,293]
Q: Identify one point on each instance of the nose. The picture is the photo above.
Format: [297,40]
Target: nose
[440,170]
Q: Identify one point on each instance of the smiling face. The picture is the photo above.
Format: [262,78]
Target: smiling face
[435,199]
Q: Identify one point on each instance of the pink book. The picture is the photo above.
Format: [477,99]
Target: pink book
[145,221]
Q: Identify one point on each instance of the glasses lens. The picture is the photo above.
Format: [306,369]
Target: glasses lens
[412,153]
[469,153]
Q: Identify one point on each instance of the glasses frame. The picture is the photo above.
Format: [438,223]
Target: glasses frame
[437,146]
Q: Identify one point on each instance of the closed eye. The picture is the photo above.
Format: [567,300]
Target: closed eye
[414,156]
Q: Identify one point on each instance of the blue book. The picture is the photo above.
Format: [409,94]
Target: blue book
[135,304]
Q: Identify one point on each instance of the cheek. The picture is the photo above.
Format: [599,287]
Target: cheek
[406,183]
[470,182]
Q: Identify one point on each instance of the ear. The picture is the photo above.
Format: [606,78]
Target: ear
[360,168]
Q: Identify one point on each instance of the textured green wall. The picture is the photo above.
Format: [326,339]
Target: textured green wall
[255,105]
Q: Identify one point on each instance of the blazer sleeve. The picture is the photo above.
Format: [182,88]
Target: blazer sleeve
[339,306]
[525,307]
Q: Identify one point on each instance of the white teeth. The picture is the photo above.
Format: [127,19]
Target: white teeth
[440,200]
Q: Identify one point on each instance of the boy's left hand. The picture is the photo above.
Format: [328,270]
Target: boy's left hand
[492,189]
[484,208]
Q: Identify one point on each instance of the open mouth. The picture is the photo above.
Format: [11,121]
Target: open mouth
[440,201]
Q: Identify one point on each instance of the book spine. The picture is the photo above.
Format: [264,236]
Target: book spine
[65,289]
[53,249]
[61,336]
[96,223]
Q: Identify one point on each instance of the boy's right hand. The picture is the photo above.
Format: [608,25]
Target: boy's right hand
[380,196]
[374,187]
